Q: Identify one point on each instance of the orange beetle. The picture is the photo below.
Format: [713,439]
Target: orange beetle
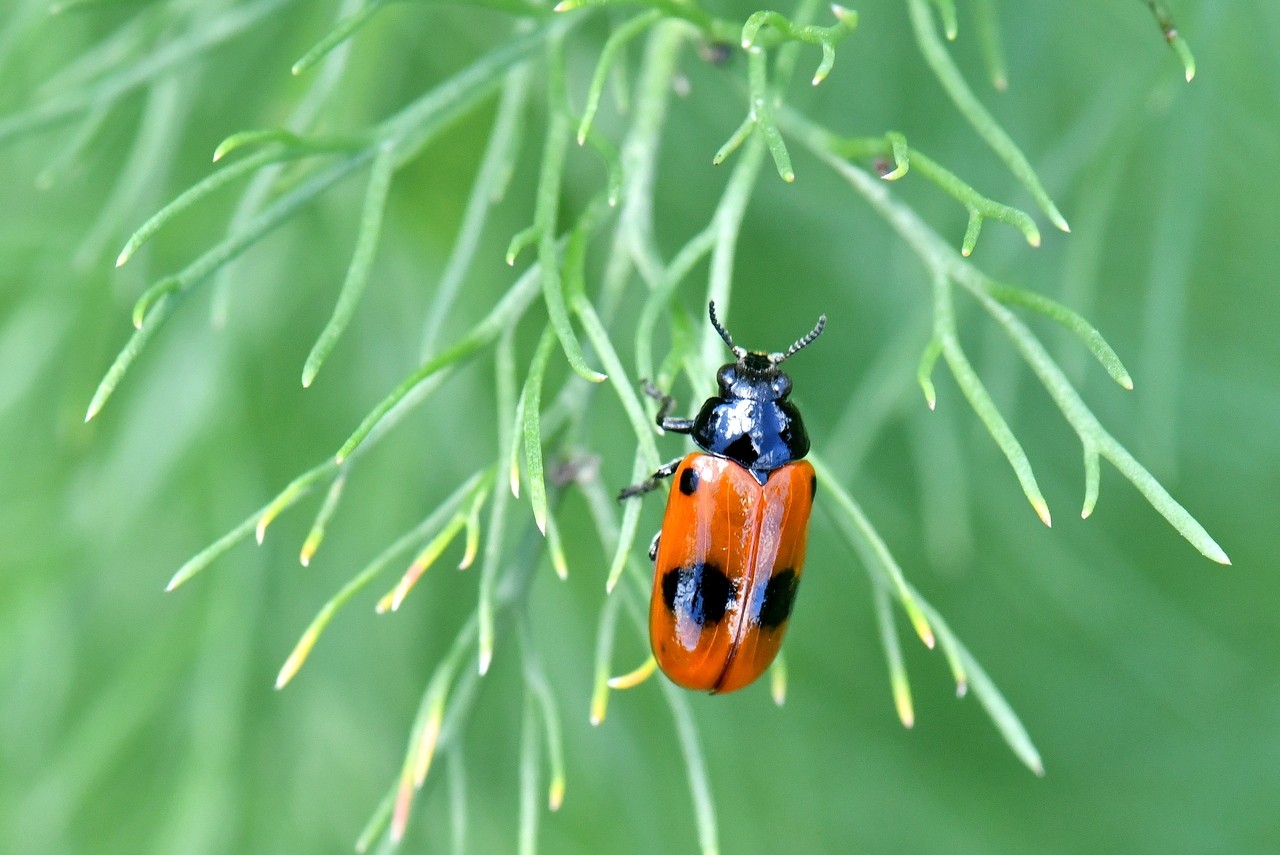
[731,550]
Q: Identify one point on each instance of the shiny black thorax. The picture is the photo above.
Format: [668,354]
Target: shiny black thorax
[751,422]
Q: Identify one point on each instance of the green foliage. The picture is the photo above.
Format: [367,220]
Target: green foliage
[460,123]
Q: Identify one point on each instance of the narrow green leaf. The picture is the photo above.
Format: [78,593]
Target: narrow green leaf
[603,659]
[901,156]
[989,43]
[375,203]
[215,550]
[978,205]
[457,781]
[529,772]
[778,679]
[784,30]
[532,434]
[1092,477]
[1090,430]
[762,112]
[316,535]
[163,308]
[424,736]
[616,41]
[508,310]
[980,400]
[478,498]
[520,240]
[860,528]
[368,573]
[924,374]
[505,377]
[286,139]
[513,462]
[1170,32]
[430,553]
[537,687]
[947,12]
[736,139]
[556,549]
[998,709]
[1014,296]
[618,378]
[612,164]
[898,681]
[194,194]
[377,822]
[341,31]
[626,542]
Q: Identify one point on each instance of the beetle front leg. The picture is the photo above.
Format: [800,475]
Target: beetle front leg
[666,404]
[666,470]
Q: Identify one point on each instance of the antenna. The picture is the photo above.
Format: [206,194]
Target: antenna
[739,352]
[776,358]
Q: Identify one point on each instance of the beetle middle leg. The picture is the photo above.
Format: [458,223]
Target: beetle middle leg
[666,470]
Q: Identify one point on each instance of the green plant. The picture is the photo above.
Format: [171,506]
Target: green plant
[596,257]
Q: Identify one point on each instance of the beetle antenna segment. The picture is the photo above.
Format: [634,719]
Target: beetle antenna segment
[739,352]
[775,358]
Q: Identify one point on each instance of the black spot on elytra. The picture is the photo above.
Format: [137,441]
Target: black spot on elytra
[813,487]
[779,595]
[701,593]
[688,481]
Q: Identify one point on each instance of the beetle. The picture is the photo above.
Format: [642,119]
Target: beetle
[729,556]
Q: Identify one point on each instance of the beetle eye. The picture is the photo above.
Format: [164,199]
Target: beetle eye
[782,385]
[726,377]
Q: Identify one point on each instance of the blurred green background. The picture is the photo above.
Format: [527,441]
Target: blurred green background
[134,721]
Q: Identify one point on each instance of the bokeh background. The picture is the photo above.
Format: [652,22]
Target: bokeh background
[135,721]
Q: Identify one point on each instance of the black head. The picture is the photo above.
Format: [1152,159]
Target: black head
[751,421]
[755,376]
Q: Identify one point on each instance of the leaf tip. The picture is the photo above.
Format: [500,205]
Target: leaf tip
[555,796]
[123,257]
[962,688]
[1042,511]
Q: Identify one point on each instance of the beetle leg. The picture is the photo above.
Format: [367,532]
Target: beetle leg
[666,470]
[666,404]
[653,545]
